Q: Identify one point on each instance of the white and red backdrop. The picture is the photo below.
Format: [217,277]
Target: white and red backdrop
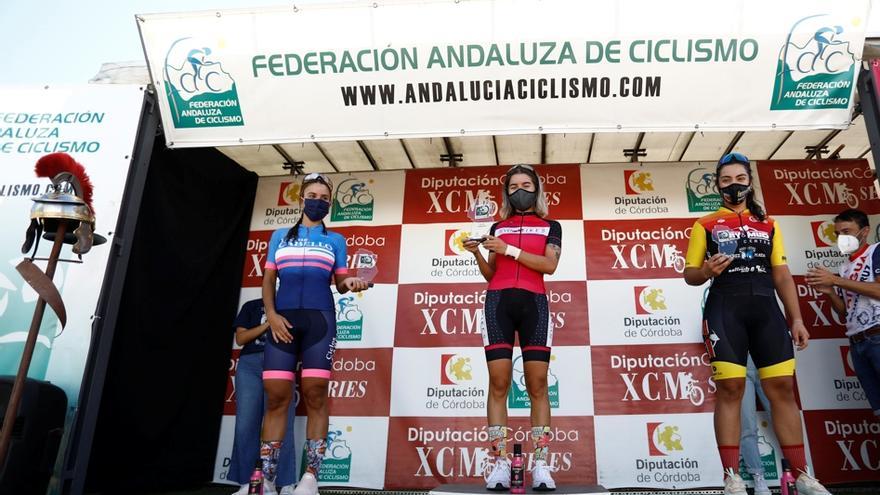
[631,392]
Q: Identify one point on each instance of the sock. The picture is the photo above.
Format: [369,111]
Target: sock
[729,457]
[269,452]
[315,455]
[498,441]
[796,457]
[541,442]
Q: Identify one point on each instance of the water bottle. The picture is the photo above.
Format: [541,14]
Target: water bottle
[517,472]
[255,486]
[787,483]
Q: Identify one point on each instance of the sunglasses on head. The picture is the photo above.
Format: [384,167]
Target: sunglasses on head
[519,168]
[316,177]
[733,158]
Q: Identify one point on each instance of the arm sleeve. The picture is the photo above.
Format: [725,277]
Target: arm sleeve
[696,252]
[777,255]
[492,229]
[273,246]
[340,265]
[555,235]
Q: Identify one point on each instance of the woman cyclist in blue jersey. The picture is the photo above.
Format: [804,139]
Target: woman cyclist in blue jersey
[303,260]
[740,249]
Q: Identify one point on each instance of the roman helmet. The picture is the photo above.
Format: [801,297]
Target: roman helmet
[69,199]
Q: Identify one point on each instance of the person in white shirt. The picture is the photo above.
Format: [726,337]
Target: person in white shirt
[855,295]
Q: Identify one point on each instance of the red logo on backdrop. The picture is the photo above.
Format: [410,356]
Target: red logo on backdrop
[288,194]
[648,300]
[637,182]
[636,249]
[818,187]
[845,445]
[454,369]
[454,242]
[360,384]
[819,317]
[658,379]
[452,315]
[431,451]
[255,259]
[823,233]
[652,449]
[846,357]
[446,195]
[384,241]
[229,403]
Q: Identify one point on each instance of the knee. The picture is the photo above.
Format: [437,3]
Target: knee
[779,389]
[277,402]
[536,387]
[315,397]
[499,385]
[730,390]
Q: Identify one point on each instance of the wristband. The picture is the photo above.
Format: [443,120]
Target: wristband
[513,252]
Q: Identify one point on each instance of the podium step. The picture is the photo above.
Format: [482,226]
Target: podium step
[478,489]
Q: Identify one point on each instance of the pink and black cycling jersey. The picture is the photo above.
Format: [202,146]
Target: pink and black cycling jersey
[531,234]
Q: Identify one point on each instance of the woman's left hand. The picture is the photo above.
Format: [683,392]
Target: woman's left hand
[355,284]
[495,244]
[799,335]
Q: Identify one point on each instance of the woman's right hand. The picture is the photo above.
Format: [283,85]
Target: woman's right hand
[472,246]
[716,265]
[280,328]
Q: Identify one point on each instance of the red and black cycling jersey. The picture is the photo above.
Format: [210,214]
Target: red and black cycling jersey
[532,234]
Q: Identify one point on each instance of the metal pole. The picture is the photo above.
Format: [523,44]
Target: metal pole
[30,344]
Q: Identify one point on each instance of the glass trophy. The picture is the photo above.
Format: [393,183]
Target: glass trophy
[366,265]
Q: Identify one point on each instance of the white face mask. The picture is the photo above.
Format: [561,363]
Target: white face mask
[847,244]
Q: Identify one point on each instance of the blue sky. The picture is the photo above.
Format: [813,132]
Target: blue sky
[65,42]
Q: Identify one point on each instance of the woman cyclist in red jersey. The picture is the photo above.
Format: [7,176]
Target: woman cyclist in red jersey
[304,259]
[523,247]
[740,249]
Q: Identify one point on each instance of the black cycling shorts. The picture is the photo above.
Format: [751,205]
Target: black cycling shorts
[735,326]
[512,311]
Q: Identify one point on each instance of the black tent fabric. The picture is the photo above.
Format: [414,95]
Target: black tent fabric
[162,404]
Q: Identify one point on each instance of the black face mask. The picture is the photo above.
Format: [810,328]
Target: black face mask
[522,200]
[736,193]
[316,209]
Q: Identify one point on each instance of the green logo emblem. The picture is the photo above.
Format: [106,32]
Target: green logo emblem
[200,93]
[349,320]
[702,192]
[352,201]
[816,67]
[768,461]
[518,397]
[336,466]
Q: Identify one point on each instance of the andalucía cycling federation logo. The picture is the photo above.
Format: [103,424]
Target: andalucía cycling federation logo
[200,93]
[518,396]
[349,318]
[337,458]
[816,66]
[702,192]
[352,201]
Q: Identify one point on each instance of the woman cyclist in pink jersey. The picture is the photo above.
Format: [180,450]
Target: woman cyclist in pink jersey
[523,247]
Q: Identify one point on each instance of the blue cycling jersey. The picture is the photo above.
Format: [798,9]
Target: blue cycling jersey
[305,267]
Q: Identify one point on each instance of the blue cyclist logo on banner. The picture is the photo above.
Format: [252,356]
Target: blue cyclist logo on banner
[200,93]
[816,66]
